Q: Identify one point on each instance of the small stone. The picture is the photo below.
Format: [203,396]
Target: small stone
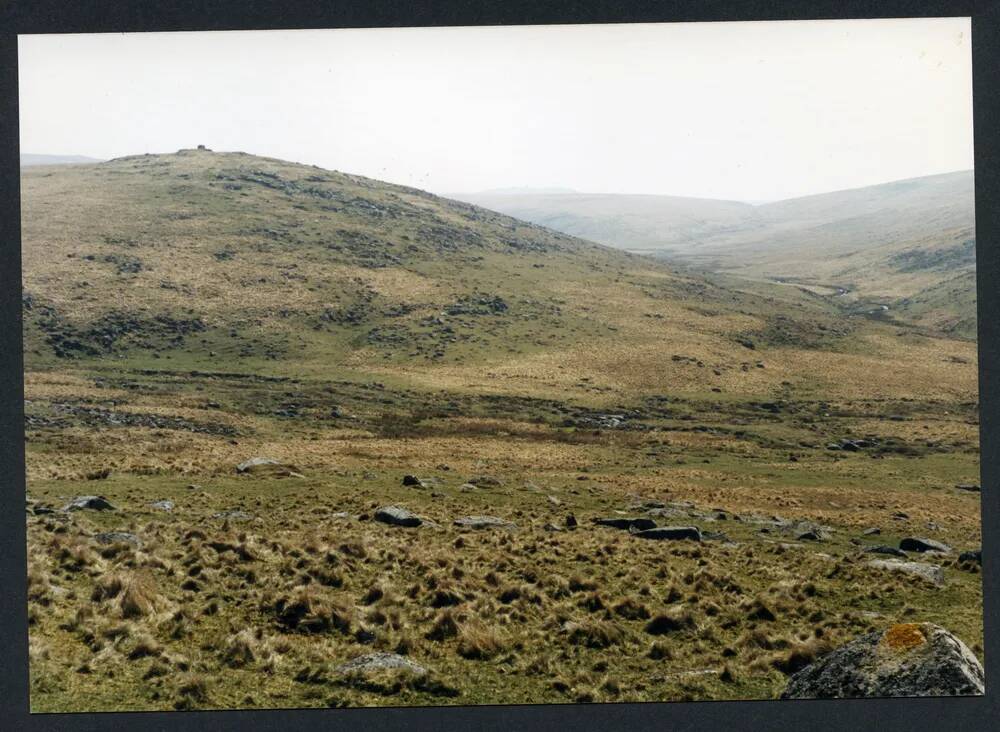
[248,465]
[164,505]
[379,662]
[811,535]
[923,545]
[972,556]
[268,467]
[627,524]
[91,503]
[396,516]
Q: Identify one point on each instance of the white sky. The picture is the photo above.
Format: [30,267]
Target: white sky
[749,111]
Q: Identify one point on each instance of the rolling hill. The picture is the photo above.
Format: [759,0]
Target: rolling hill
[899,245]
[643,223]
[204,258]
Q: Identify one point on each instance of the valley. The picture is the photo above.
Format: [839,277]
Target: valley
[528,398]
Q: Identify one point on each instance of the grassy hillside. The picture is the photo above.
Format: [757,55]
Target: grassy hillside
[894,244]
[184,313]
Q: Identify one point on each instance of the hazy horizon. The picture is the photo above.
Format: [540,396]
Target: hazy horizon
[753,112]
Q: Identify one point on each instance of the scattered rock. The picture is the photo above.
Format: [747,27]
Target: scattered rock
[91,503]
[571,522]
[670,533]
[396,516]
[627,524]
[969,487]
[164,505]
[930,572]
[871,532]
[269,467]
[553,500]
[484,522]
[551,527]
[379,661]
[906,660]
[911,544]
[413,480]
[117,537]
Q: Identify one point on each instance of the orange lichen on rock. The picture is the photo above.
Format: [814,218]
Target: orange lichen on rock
[903,637]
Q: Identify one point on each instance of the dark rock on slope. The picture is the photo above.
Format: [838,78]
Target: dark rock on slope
[396,516]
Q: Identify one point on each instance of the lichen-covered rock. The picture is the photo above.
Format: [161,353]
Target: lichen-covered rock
[379,662]
[909,659]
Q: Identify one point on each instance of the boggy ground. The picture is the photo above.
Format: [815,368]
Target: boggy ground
[260,608]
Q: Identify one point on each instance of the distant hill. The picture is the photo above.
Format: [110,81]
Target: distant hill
[633,222]
[28,159]
[893,245]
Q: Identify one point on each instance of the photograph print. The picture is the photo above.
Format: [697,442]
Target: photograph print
[500,365]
